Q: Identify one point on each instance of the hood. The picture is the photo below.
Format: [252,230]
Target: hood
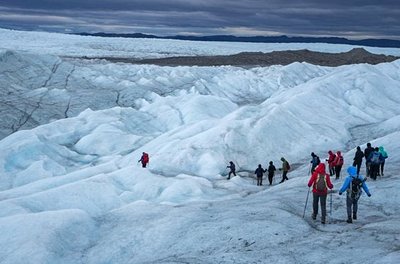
[381,149]
[352,171]
[330,152]
[339,153]
[320,168]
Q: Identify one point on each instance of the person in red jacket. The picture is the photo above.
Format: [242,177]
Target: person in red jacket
[320,182]
[144,159]
[338,164]
[331,163]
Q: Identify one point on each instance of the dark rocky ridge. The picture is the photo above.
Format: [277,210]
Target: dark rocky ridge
[253,59]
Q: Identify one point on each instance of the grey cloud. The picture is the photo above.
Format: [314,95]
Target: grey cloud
[291,17]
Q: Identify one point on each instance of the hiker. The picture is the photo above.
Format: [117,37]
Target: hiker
[232,168]
[384,157]
[338,164]
[375,159]
[285,169]
[353,185]
[367,151]
[271,172]
[144,159]
[331,164]
[314,161]
[320,181]
[260,173]
[358,159]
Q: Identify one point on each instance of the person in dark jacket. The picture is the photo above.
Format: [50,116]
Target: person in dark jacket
[314,161]
[384,156]
[367,153]
[232,168]
[260,173]
[375,159]
[271,172]
[358,159]
[353,201]
[319,177]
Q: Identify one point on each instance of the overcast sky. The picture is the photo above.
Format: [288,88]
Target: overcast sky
[347,18]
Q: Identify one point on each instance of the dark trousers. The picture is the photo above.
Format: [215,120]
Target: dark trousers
[284,176]
[259,180]
[351,203]
[270,178]
[230,173]
[382,167]
[338,168]
[374,170]
[331,170]
[144,165]
[368,168]
[322,199]
[358,165]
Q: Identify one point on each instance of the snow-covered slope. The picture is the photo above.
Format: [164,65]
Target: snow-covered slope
[71,190]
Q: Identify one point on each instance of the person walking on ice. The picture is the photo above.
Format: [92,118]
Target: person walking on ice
[353,185]
[285,169]
[260,173]
[144,159]
[271,172]
[232,168]
[320,182]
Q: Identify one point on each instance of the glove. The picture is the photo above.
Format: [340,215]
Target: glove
[369,195]
[340,193]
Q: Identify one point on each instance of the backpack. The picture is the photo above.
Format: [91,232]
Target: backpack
[288,165]
[340,161]
[145,158]
[375,158]
[318,160]
[355,189]
[320,183]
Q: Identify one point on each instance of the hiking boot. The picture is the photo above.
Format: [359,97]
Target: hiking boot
[349,221]
[354,216]
[314,217]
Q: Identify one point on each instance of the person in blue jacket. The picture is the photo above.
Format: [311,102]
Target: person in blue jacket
[353,193]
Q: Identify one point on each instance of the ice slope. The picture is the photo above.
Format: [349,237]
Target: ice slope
[71,190]
[79,46]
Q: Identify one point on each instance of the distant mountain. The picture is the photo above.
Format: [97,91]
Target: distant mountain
[385,43]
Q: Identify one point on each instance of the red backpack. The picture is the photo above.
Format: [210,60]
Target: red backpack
[145,158]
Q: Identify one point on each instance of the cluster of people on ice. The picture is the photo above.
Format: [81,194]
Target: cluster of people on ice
[354,183]
[320,180]
[259,172]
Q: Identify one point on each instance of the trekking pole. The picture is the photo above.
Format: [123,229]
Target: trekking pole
[330,209]
[305,207]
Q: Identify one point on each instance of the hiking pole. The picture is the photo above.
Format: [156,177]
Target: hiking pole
[305,207]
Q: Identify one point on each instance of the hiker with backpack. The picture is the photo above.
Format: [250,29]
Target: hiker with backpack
[384,157]
[144,159]
[375,159]
[271,172]
[232,168]
[331,164]
[314,161]
[285,169]
[260,173]
[358,159]
[367,152]
[320,182]
[353,184]
[338,164]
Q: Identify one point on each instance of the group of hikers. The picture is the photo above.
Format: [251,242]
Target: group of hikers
[354,183]
[320,180]
[259,172]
